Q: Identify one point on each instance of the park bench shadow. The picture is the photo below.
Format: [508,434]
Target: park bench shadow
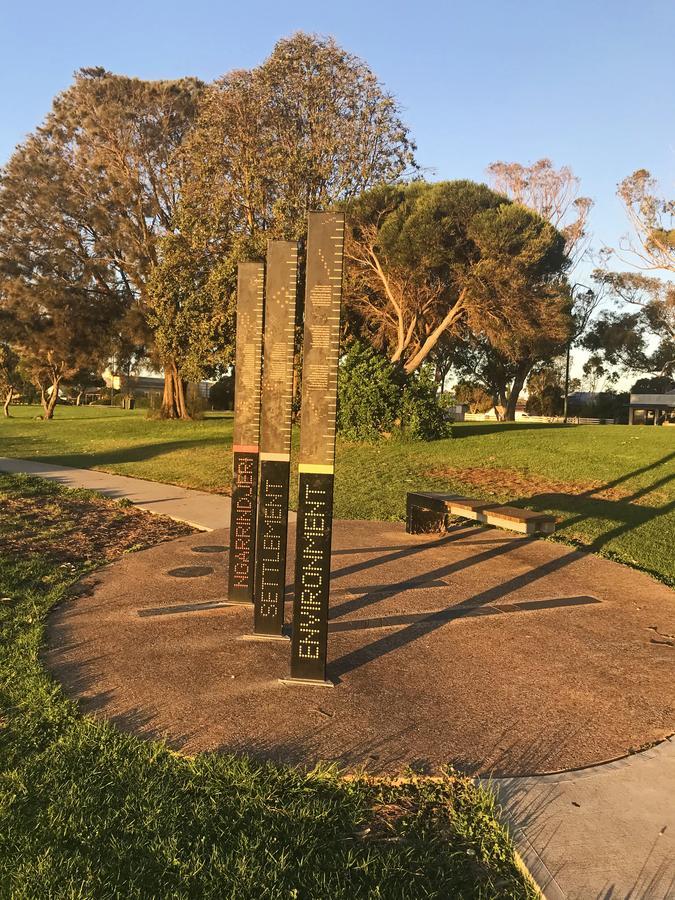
[392,554]
[436,619]
[464,610]
[440,572]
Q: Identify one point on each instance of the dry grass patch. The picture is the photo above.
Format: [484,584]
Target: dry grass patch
[520,483]
[77,526]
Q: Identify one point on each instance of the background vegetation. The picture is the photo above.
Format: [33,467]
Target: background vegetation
[375,398]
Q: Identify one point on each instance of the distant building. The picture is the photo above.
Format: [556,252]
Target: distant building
[652,409]
[583,398]
[147,384]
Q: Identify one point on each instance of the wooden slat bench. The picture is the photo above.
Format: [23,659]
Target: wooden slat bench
[428,512]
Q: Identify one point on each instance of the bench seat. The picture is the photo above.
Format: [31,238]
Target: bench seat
[428,512]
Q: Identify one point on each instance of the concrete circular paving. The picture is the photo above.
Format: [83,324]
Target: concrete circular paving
[480,649]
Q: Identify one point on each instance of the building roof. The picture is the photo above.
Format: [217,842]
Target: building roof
[665,401]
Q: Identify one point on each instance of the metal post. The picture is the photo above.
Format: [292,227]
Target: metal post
[245,446]
[567,380]
[275,438]
[323,300]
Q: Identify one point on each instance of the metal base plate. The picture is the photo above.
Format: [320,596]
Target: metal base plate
[308,682]
[264,637]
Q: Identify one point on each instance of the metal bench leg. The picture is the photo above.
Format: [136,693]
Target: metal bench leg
[409,516]
[424,521]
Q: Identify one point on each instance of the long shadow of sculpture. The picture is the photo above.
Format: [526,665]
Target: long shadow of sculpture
[627,512]
[430,622]
[427,623]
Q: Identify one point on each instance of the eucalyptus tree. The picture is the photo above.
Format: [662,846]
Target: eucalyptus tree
[501,374]
[57,298]
[638,333]
[310,126]
[653,219]
[455,261]
[83,203]
[10,377]
[552,193]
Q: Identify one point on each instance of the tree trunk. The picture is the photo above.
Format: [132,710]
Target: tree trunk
[514,393]
[78,401]
[567,381]
[173,401]
[49,403]
[499,400]
[8,399]
[450,317]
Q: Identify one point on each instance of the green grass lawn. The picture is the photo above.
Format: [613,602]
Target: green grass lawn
[612,487]
[89,812]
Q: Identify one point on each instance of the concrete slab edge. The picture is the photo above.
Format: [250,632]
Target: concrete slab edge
[660,748]
[154,512]
[534,869]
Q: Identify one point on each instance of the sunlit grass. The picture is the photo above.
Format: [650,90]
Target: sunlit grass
[632,519]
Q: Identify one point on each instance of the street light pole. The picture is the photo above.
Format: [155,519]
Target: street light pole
[576,333]
[567,379]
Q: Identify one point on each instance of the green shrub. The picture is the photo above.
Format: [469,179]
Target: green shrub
[369,391]
[221,394]
[423,415]
[375,398]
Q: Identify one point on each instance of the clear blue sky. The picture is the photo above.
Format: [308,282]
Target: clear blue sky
[588,84]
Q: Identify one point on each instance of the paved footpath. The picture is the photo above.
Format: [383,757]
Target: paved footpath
[602,833]
[202,510]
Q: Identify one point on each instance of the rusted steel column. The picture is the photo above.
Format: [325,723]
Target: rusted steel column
[323,301]
[275,437]
[246,439]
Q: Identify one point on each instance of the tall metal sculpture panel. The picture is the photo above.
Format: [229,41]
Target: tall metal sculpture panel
[275,437]
[246,440]
[323,299]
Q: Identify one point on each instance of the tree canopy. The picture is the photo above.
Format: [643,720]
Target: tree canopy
[123,217]
[83,202]
[638,333]
[653,219]
[551,192]
[310,126]
[430,260]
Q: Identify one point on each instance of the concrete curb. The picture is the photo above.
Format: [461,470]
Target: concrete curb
[525,869]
